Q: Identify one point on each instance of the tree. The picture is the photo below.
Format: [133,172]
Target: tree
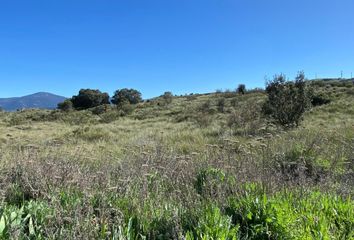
[89,98]
[66,106]
[126,95]
[241,89]
[287,100]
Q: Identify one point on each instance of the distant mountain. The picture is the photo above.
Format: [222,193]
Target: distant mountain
[41,100]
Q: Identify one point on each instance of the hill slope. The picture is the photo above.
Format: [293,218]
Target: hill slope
[199,165]
[42,100]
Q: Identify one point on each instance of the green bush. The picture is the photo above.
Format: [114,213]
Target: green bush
[287,101]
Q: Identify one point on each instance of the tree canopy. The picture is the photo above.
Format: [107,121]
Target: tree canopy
[89,98]
[126,95]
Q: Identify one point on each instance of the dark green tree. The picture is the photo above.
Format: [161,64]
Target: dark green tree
[126,95]
[241,89]
[287,100]
[89,98]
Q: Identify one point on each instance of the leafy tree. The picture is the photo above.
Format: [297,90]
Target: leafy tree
[126,95]
[241,89]
[287,100]
[89,98]
[66,106]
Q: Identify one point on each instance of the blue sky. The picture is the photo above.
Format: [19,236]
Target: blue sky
[182,46]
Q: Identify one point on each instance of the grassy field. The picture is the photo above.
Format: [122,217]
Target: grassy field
[201,167]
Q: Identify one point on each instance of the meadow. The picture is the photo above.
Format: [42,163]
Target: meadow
[199,166]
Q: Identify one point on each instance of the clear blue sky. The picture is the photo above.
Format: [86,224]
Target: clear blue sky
[182,46]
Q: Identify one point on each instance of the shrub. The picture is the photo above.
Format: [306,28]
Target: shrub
[245,119]
[110,116]
[206,107]
[125,108]
[318,100]
[221,105]
[100,109]
[126,95]
[299,163]
[203,120]
[16,119]
[66,106]
[167,97]
[287,101]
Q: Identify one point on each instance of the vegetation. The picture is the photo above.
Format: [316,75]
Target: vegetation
[208,166]
[89,98]
[287,101]
[241,88]
[167,97]
[125,95]
[66,106]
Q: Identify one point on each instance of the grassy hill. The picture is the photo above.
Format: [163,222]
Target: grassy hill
[205,166]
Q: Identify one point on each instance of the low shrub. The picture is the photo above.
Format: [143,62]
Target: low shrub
[319,99]
[221,105]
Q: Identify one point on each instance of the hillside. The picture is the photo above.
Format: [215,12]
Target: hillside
[41,100]
[203,166]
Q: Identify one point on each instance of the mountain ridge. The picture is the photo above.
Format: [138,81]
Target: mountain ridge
[41,100]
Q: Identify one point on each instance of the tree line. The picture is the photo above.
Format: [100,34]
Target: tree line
[90,98]
[285,104]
